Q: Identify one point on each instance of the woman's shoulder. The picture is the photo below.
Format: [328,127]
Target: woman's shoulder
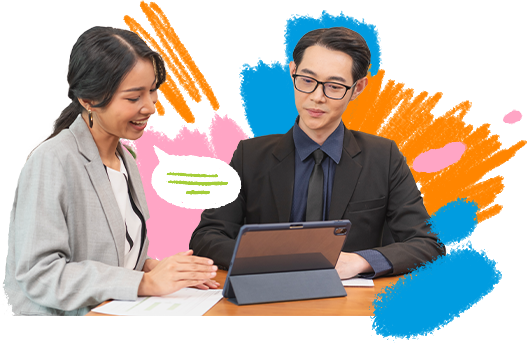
[51,164]
[59,147]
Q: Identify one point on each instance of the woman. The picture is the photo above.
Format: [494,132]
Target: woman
[77,233]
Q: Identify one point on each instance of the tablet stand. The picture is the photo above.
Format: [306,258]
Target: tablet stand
[285,286]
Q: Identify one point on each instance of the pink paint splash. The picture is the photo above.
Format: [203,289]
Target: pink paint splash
[436,159]
[508,124]
[170,227]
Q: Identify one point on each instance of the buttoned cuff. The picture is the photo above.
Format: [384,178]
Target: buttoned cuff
[381,266]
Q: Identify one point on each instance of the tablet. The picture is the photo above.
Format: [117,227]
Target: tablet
[286,247]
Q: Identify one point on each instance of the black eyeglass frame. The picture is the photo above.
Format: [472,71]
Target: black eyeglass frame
[324,86]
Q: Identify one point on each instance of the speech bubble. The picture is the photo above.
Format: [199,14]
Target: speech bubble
[194,182]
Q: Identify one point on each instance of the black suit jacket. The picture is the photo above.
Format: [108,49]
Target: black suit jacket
[372,187]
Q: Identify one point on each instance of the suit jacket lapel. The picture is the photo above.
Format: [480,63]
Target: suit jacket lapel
[282,176]
[347,174]
[101,184]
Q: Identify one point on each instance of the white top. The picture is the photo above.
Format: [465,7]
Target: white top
[131,220]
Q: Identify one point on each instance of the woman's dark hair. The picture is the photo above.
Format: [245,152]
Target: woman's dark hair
[339,39]
[99,61]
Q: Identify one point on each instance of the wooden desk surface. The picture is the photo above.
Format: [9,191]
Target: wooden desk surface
[357,303]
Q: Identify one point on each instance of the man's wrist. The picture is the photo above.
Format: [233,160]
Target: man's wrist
[365,266]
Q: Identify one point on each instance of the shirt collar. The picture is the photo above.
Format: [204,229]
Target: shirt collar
[332,146]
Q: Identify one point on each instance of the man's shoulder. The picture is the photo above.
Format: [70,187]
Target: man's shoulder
[367,141]
[262,142]
[260,150]
[370,138]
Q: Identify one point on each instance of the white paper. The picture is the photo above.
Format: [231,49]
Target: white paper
[185,302]
[357,282]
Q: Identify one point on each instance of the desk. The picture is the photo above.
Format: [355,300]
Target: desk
[357,303]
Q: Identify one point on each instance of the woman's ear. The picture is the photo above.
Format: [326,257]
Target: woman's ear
[87,104]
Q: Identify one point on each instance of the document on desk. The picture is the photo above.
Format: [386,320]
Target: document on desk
[185,302]
[357,282]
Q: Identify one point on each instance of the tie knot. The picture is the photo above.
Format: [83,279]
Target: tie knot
[318,155]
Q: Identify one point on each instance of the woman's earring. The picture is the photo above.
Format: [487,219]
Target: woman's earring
[90,119]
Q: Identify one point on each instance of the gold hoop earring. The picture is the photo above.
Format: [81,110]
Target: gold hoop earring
[90,119]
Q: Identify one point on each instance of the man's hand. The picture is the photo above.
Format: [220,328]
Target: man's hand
[350,264]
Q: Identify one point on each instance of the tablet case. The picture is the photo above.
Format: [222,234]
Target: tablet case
[285,262]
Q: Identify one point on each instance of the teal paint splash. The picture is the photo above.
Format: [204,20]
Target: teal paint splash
[474,288]
[267,90]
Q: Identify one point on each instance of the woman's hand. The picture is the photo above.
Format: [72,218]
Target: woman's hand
[208,284]
[176,272]
[150,264]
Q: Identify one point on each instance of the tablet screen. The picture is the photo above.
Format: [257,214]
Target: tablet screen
[287,250]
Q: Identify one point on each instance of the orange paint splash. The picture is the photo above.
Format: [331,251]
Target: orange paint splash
[394,113]
[160,109]
[178,61]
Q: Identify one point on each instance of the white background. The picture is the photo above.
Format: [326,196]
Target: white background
[263,329]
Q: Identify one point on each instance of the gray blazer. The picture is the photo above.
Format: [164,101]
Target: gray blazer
[66,234]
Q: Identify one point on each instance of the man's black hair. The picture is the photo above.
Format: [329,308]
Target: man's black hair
[339,39]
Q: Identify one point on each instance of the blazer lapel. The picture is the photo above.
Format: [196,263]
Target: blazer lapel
[136,185]
[282,176]
[101,184]
[347,174]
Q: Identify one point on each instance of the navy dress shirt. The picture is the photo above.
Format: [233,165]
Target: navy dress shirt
[304,162]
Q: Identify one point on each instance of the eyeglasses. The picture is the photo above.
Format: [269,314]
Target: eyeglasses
[332,90]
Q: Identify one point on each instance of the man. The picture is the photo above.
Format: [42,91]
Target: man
[320,170]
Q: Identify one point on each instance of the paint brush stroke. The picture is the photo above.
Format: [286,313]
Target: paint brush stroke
[464,314]
[434,160]
[507,124]
[262,78]
[475,287]
[178,61]
[393,112]
[169,226]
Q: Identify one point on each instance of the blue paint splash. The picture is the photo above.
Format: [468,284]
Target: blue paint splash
[474,288]
[268,115]
[267,90]
[299,26]
[436,293]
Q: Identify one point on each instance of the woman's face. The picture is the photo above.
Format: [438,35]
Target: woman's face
[133,103]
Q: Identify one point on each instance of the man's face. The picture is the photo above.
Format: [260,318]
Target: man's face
[319,115]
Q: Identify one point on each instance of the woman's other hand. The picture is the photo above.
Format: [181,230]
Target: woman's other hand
[176,272]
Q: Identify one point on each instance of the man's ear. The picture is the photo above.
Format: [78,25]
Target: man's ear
[292,68]
[359,87]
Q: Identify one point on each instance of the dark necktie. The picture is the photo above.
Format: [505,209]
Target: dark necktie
[315,191]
